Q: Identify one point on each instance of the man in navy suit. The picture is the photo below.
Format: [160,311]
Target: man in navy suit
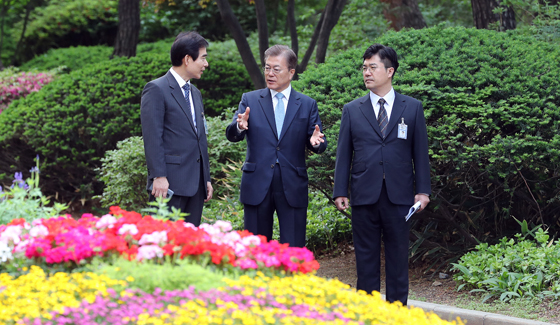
[282,123]
[174,130]
[382,157]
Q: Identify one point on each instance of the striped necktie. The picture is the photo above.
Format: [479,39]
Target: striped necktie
[382,118]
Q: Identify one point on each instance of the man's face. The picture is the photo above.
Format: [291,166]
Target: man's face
[376,76]
[195,68]
[277,74]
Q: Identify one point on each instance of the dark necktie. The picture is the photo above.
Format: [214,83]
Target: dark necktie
[187,89]
[382,117]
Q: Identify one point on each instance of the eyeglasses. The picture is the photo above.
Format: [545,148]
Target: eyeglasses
[275,71]
[370,69]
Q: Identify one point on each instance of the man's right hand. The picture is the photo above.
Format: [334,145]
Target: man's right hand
[160,187]
[243,120]
[341,203]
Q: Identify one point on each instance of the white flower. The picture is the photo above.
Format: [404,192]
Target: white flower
[128,228]
[148,252]
[106,221]
[251,240]
[39,230]
[154,238]
[225,226]
[21,247]
[5,252]
[11,234]
[189,225]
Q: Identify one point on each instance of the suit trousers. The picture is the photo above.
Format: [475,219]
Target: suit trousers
[259,219]
[190,204]
[371,223]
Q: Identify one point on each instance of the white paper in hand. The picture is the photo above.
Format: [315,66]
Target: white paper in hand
[412,210]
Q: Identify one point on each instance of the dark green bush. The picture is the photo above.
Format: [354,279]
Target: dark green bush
[73,58]
[68,23]
[492,108]
[72,122]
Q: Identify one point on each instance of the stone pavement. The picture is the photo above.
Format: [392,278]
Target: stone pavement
[472,317]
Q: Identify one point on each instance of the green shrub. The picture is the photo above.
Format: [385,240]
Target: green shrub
[65,23]
[71,58]
[493,118]
[75,119]
[124,173]
[177,275]
[513,268]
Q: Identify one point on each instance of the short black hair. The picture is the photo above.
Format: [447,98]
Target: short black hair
[386,54]
[186,43]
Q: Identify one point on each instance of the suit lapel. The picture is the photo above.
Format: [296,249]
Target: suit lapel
[266,105]
[369,113]
[197,101]
[179,96]
[293,107]
[397,111]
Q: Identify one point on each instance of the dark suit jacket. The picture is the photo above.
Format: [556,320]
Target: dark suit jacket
[264,147]
[364,157]
[173,147]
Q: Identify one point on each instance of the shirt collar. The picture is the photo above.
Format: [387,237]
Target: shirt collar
[286,92]
[179,79]
[389,97]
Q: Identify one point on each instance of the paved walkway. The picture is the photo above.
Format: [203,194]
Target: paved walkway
[472,317]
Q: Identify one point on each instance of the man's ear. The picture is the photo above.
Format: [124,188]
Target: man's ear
[390,72]
[186,58]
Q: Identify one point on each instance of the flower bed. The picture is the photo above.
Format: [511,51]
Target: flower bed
[71,242]
[15,84]
[261,282]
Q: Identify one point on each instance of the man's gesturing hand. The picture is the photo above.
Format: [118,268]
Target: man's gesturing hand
[243,120]
[317,138]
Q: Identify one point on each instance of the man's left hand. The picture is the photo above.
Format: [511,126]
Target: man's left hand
[424,200]
[209,191]
[317,138]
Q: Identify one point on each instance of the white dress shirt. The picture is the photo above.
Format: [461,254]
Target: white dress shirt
[389,101]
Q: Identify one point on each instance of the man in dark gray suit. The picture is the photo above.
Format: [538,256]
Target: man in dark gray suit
[174,130]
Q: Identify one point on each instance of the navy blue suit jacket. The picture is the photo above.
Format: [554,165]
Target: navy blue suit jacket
[174,148]
[264,147]
[364,158]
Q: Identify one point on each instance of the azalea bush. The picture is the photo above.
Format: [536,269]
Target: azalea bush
[16,84]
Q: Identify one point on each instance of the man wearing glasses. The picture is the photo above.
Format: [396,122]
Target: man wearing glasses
[382,156]
[279,123]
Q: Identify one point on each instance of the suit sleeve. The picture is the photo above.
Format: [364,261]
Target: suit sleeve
[206,159]
[152,113]
[344,154]
[232,134]
[420,154]
[314,119]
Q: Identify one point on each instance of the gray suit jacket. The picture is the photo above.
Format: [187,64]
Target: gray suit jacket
[174,148]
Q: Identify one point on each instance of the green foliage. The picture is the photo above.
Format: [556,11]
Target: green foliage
[71,58]
[356,26]
[147,276]
[25,200]
[491,104]
[513,268]
[75,119]
[65,23]
[124,173]
[449,12]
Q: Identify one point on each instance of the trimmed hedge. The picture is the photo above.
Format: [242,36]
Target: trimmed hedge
[493,113]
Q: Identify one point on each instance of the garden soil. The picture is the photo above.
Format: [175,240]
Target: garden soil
[424,286]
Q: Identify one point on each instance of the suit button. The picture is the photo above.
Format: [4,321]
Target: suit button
[198,160]
[383,145]
[381,163]
[272,166]
[278,148]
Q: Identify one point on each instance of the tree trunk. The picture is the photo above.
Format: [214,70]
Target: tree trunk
[262,26]
[28,9]
[332,13]
[129,27]
[275,21]
[483,15]
[404,14]
[303,64]
[292,25]
[242,45]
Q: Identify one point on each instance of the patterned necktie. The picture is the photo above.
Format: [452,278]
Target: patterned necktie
[187,89]
[279,113]
[382,117]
